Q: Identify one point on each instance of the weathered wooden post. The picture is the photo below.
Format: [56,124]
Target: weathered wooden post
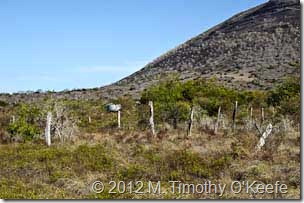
[151,120]
[13,120]
[118,118]
[234,116]
[273,111]
[189,132]
[222,118]
[262,116]
[251,117]
[264,137]
[218,120]
[48,129]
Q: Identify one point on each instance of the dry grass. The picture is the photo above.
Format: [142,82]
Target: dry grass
[67,171]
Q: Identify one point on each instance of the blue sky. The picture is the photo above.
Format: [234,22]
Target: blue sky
[67,44]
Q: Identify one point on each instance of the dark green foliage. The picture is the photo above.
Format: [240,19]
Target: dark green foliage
[169,103]
[27,123]
[288,89]
[173,97]
[286,97]
[3,104]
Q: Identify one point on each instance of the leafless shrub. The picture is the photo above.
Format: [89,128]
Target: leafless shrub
[64,125]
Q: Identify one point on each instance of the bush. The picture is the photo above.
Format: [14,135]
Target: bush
[25,130]
[3,103]
[27,123]
[287,98]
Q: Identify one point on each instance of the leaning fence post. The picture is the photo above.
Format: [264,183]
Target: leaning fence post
[48,129]
[189,133]
[264,137]
[151,120]
[218,120]
[234,116]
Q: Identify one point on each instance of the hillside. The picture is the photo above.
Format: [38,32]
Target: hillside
[254,49]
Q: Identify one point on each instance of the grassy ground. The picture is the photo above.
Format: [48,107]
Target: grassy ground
[34,171]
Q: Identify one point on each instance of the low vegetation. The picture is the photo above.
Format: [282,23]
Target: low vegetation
[99,151]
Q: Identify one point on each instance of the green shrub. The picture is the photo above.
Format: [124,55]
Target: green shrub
[25,130]
[3,104]
[286,97]
[27,123]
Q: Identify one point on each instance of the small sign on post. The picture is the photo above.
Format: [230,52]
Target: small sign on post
[115,108]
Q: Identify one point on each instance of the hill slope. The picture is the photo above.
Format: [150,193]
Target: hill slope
[254,49]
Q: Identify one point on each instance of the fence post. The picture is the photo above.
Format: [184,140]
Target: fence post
[118,119]
[251,117]
[48,129]
[262,116]
[264,137]
[189,133]
[273,111]
[234,116]
[218,120]
[151,120]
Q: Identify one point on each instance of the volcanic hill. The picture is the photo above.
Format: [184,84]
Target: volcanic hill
[254,49]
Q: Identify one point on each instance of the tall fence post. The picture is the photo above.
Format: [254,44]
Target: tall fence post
[234,116]
[151,120]
[189,132]
[118,119]
[218,120]
[48,129]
